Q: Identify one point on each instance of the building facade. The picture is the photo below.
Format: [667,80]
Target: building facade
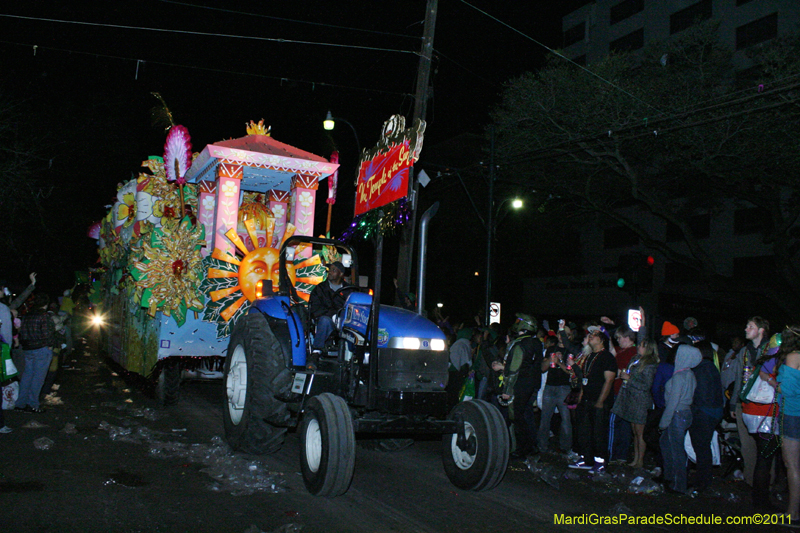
[604,26]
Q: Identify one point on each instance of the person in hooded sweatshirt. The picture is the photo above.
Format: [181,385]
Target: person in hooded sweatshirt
[677,417]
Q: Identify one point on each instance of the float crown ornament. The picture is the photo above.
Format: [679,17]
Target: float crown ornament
[258,129]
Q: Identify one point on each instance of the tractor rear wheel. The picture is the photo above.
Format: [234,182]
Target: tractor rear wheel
[254,374]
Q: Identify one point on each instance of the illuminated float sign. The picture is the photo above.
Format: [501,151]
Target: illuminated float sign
[383,173]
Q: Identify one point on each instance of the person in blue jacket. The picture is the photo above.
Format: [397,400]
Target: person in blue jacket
[789,397]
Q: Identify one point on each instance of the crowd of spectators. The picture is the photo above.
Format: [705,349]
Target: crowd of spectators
[602,394]
[39,336]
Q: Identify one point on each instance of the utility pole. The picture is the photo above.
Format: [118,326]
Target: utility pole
[490,231]
[406,255]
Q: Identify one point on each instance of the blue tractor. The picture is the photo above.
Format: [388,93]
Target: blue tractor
[383,374]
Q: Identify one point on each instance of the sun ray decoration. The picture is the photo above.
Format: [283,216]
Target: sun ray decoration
[169,274]
[230,281]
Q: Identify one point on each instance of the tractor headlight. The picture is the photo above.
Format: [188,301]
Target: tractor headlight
[409,343]
[415,343]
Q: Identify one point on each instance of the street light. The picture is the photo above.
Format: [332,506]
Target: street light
[491,231]
[330,122]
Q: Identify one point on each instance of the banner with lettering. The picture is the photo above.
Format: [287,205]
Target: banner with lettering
[383,179]
[383,173]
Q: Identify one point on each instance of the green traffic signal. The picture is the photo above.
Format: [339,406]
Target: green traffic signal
[621,282]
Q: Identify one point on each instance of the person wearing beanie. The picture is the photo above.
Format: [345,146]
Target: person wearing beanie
[677,417]
[670,330]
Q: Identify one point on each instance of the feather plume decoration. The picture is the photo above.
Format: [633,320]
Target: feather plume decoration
[177,154]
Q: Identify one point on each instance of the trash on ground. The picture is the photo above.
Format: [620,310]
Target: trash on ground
[43,443]
[119,433]
[69,429]
[620,509]
[33,424]
[147,413]
[642,485]
[231,473]
[286,528]
[52,399]
[551,475]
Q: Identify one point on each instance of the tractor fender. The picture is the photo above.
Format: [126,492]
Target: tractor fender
[285,320]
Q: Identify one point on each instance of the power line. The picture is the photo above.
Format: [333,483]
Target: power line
[612,84]
[654,126]
[208,69]
[259,15]
[207,34]
[548,152]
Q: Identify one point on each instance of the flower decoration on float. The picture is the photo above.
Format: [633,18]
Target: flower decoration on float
[166,208]
[169,274]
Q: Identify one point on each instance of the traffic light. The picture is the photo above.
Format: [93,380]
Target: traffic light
[627,275]
[646,264]
[635,273]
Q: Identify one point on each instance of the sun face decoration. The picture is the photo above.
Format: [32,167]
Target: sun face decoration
[231,282]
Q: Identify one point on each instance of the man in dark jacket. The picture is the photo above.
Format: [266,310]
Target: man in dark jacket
[325,301]
[37,335]
[522,378]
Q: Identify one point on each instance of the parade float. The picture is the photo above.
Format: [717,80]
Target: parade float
[188,239]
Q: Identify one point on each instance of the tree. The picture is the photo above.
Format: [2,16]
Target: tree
[20,191]
[672,133]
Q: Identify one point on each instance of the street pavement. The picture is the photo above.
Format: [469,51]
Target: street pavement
[106,458]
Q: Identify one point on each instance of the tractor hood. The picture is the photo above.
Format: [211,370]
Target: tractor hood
[396,324]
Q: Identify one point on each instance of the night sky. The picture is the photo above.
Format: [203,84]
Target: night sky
[89,85]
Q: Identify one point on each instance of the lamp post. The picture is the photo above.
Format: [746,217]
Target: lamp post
[491,231]
[330,122]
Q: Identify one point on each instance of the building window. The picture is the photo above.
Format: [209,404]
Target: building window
[619,237]
[757,31]
[700,226]
[693,14]
[628,43]
[758,270]
[751,220]
[625,9]
[680,274]
[575,34]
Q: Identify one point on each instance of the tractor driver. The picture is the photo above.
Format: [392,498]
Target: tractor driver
[325,301]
